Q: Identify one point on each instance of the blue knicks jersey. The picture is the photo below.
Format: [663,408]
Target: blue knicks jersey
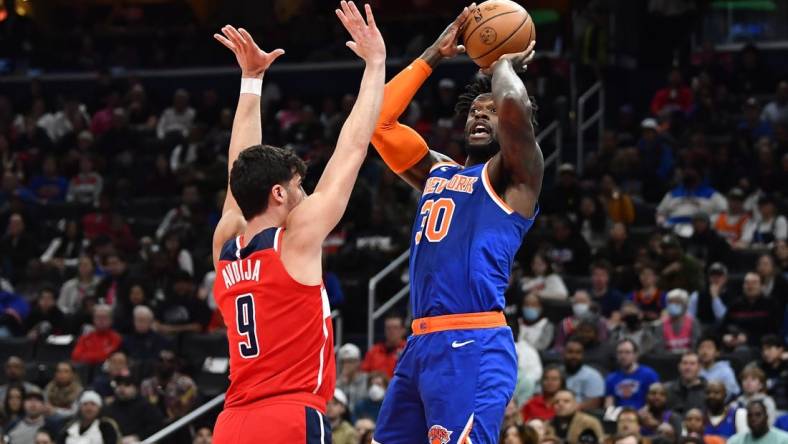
[463,243]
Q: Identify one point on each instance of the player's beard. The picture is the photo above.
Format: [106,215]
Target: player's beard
[482,152]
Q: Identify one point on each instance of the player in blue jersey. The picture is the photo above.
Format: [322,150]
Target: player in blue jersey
[459,369]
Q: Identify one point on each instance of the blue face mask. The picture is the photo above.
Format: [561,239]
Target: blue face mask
[531,314]
[675,309]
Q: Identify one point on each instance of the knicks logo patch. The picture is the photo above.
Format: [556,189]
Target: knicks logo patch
[439,435]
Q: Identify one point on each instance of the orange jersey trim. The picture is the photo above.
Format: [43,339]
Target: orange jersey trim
[464,321]
[491,191]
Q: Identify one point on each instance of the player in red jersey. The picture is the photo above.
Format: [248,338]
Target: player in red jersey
[267,254]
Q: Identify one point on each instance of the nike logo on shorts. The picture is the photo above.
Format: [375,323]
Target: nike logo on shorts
[456,344]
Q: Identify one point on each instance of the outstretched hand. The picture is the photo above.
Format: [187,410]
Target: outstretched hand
[367,42]
[447,43]
[519,60]
[252,60]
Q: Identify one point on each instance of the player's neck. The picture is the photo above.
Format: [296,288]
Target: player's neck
[475,159]
[259,223]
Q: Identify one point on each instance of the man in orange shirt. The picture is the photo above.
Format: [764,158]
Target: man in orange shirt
[96,346]
[382,357]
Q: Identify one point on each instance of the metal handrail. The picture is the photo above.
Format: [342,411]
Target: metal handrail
[182,422]
[373,285]
[339,328]
[583,123]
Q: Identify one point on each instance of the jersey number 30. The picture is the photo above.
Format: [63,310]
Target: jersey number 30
[244,309]
[436,219]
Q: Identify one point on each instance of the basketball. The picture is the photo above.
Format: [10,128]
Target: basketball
[495,28]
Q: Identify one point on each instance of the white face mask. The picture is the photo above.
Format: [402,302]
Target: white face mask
[580,309]
[376,393]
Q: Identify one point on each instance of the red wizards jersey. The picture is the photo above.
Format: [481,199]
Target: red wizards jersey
[279,331]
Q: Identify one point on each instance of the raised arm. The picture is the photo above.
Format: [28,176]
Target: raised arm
[313,219]
[402,148]
[518,169]
[247,127]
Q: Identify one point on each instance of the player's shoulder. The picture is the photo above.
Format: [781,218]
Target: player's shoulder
[445,167]
[264,240]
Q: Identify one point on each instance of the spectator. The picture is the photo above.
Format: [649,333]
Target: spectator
[730,224]
[134,416]
[564,198]
[17,248]
[752,126]
[759,429]
[678,270]
[709,306]
[620,208]
[351,380]
[535,328]
[693,424]
[679,331]
[123,316]
[720,418]
[539,426]
[518,434]
[650,299]
[511,416]
[751,316]
[608,299]
[64,251]
[24,430]
[44,436]
[689,390]
[14,310]
[369,407]
[382,357]
[620,252]
[628,422]
[182,311]
[753,385]
[85,188]
[567,250]
[571,425]
[529,364]
[144,344]
[12,408]
[117,365]
[687,200]
[75,290]
[174,393]
[657,412]
[89,426]
[95,346]
[178,255]
[182,219]
[204,435]
[337,414]
[45,318]
[705,244]
[541,405]
[15,375]
[592,222]
[179,118]
[115,286]
[766,227]
[583,380]
[776,111]
[775,368]
[62,392]
[627,386]
[634,327]
[49,186]
[364,429]
[713,370]
[626,438]
[773,284]
[656,159]
[676,97]
[543,282]
[581,311]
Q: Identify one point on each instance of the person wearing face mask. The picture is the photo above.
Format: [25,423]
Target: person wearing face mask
[634,328]
[529,364]
[535,329]
[679,331]
[369,407]
[581,311]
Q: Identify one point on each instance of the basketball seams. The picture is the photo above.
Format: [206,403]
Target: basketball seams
[465,39]
[509,37]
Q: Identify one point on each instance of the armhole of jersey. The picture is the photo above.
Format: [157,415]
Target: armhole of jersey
[437,165]
[278,240]
[238,247]
[499,200]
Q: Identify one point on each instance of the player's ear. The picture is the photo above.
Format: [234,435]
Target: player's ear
[279,193]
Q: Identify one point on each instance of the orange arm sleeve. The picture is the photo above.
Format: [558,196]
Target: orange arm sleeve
[399,145]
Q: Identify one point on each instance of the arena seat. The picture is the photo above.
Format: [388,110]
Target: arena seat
[665,364]
[195,348]
[48,353]
[21,347]
[555,310]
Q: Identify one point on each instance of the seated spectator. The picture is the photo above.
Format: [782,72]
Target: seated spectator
[204,435]
[539,426]
[181,310]
[543,281]
[382,357]
[535,328]
[123,314]
[753,388]
[517,434]
[688,199]
[752,126]
[720,418]
[24,430]
[627,386]
[679,331]
[570,424]
[365,427]
[710,304]
[759,428]
[751,316]
[602,294]
[766,227]
[133,414]
[730,224]
[567,250]
[541,405]
[628,422]
[581,309]
[115,366]
[76,289]
[776,111]
[675,97]
[635,328]
[89,426]
[656,159]
[174,393]
[62,392]
[183,218]
[178,255]
[583,380]
[15,375]
[713,370]
[46,318]
[114,287]
[592,222]
[776,369]
[656,412]
[511,416]
[63,251]
[350,379]
[85,188]
[49,186]
[12,407]
[620,253]
[13,314]
[529,364]
[44,436]
[650,299]
[337,414]
[95,347]
[144,344]
[369,406]
[626,438]
[693,424]
[678,269]
[773,284]
[689,390]
[705,244]
[564,197]
[620,208]
[179,118]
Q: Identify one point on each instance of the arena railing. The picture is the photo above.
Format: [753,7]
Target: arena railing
[584,123]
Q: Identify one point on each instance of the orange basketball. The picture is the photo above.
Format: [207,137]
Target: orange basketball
[495,28]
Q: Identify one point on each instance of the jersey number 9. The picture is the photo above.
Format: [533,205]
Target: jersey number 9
[244,309]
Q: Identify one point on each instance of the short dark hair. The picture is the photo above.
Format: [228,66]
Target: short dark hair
[257,169]
[602,264]
[574,339]
[635,347]
[483,85]
[772,341]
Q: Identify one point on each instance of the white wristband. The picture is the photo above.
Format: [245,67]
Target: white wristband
[251,86]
